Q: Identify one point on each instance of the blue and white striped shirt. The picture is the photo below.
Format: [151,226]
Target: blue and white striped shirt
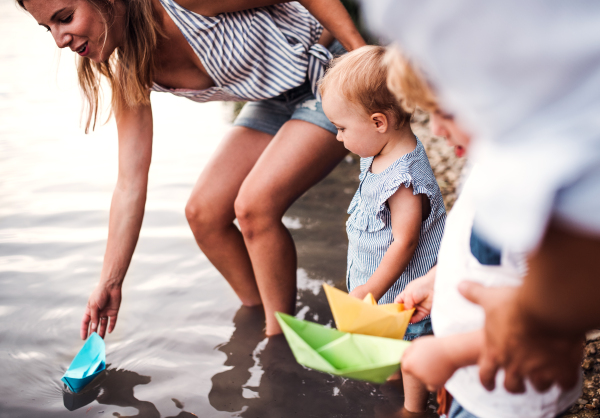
[369,226]
[252,54]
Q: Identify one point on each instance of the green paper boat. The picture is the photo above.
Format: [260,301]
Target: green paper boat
[356,356]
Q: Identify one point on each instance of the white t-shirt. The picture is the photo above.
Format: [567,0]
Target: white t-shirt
[453,314]
[524,77]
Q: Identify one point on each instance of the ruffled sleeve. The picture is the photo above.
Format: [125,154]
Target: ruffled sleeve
[390,187]
[373,214]
[365,163]
[364,216]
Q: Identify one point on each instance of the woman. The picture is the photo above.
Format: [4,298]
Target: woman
[280,145]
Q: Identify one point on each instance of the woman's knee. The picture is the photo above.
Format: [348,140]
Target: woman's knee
[204,218]
[255,213]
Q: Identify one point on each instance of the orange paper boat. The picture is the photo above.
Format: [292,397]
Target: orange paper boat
[366,316]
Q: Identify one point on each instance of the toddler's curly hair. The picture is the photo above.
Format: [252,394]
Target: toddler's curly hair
[361,77]
[407,82]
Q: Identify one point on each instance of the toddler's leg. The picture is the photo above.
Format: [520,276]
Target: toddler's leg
[415,393]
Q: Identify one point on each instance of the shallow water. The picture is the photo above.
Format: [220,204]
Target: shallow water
[183,346]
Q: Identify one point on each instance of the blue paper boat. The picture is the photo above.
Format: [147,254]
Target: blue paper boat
[87,364]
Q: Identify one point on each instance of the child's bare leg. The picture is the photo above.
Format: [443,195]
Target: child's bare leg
[415,394]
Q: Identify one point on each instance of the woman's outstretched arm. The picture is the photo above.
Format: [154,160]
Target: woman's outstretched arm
[330,13]
[126,215]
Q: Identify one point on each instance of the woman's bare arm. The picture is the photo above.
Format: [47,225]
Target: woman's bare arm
[335,18]
[330,13]
[126,215]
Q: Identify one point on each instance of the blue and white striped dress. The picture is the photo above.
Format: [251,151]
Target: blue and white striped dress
[252,54]
[369,226]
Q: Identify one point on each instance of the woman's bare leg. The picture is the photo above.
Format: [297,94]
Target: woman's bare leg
[299,156]
[210,210]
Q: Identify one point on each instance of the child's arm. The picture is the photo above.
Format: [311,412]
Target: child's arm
[433,360]
[405,209]
[418,294]
[330,13]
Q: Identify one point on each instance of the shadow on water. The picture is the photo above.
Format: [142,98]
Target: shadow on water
[116,387]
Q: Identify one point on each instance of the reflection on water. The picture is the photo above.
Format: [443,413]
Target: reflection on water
[183,344]
[116,387]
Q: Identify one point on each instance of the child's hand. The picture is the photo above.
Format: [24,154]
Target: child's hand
[428,360]
[418,294]
[360,292]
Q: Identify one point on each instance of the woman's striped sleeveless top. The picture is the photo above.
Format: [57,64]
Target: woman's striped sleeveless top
[253,54]
[369,226]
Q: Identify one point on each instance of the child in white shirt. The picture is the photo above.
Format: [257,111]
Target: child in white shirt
[450,357]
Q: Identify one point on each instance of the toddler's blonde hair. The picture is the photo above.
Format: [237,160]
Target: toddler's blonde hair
[361,77]
[407,83]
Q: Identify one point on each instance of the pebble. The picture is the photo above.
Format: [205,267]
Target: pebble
[592,335]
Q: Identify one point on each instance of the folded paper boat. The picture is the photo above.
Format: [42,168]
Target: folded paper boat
[362,357]
[366,316]
[87,364]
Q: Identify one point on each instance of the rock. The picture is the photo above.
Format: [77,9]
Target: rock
[592,335]
[587,364]
[582,401]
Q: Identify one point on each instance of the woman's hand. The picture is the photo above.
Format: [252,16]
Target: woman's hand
[524,347]
[418,294]
[101,311]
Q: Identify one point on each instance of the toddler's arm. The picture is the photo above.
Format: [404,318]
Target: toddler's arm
[433,360]
[405,209]
[418,294]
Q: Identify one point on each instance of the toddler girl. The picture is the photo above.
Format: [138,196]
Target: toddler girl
[397,214]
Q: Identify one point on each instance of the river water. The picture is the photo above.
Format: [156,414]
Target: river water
[183,346]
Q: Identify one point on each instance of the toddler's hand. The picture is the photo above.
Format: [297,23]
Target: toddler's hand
[360,292]
[418,294]
[428,360]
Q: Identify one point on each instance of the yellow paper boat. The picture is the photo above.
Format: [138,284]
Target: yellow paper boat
[365,316]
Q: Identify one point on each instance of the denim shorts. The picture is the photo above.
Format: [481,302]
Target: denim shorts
[419,329]
[298,103]
[457,411]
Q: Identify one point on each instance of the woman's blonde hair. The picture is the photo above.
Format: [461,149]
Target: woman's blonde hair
[407,83]
[130,69]
[361,77]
